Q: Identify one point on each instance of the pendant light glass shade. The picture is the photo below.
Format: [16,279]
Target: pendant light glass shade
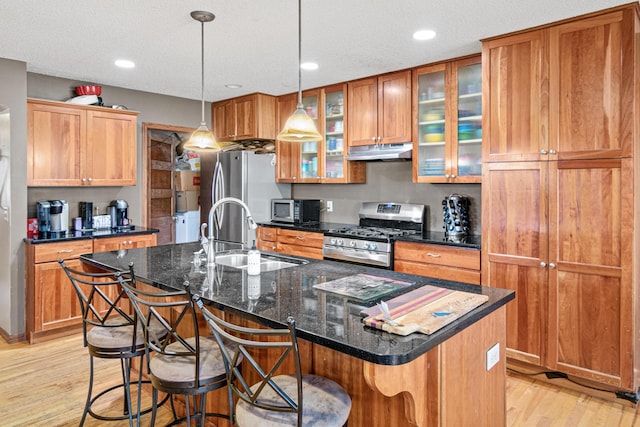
[299,127]
[202,138]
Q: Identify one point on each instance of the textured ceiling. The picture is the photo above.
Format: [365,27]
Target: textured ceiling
[254,42]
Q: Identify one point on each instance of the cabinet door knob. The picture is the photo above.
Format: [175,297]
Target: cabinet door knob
[543,152]
[373,138]
[552,151]
[543,264]
[552,265]
[453,176]
[90,180]
[84,180]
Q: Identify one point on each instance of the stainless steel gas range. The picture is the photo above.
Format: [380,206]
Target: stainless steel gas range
[371,242]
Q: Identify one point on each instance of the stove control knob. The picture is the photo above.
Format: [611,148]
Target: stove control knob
[339,242]
[333,241]
[373,246]
[352,243]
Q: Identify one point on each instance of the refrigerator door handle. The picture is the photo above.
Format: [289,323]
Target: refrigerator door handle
[217,193]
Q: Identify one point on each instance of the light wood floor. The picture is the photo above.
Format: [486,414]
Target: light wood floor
[45,385]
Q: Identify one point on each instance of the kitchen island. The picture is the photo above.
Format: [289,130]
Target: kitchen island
[393,380]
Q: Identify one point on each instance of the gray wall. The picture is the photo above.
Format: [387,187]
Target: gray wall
[15,86]
[153,108]
[390,182]
[13,91]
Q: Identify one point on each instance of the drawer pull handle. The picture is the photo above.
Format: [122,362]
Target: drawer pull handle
[433,255]
[299,237]
[65,251]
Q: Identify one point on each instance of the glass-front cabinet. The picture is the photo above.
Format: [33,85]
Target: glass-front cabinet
[310,152]
[335,163]
[448,135]
[322,161]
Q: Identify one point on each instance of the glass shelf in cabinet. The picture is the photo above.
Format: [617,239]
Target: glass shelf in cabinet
[431,101]
[469,141]
[463,118]
[334,116]
[335,133]
[430,144]
[470,95]
[334,153]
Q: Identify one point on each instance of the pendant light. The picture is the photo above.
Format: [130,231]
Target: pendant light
[299,127]
[202,138]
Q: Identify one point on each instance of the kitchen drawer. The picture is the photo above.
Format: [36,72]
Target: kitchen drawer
[305,238]
[300,250]
[267,234]
[448,256]
[438,271]
[45,252]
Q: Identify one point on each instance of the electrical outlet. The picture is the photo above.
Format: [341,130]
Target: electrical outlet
[493,356]
[329,206]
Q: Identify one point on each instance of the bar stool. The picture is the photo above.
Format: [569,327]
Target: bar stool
[189,365]
[109,332]
[277,400]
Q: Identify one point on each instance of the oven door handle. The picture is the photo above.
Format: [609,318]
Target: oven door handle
[351,254]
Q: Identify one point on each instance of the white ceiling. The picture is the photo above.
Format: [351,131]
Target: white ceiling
[254,42]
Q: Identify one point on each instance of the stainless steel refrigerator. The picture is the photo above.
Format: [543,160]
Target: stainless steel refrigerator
[244,175]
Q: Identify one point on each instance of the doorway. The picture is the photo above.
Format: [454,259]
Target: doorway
[158,162]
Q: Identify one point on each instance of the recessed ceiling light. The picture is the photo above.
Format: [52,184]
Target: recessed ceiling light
[424,35]
[309,66]
[233,86]
[124,63]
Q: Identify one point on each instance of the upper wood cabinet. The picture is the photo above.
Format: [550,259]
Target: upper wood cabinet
[562,92]
[74,145]
[287,153]
[447,135]
[69,145]
[246,117]
[380,109]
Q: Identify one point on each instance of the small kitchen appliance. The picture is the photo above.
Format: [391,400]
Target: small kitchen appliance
[59,214]
[86,214]
[295,211]
[455,212]
[119,216]
[44,217]
[371,242]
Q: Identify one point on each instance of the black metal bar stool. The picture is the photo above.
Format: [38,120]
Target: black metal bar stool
[109,333]
[277,399]
[182,362]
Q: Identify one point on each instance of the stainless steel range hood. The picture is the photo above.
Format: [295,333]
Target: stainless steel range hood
[381,152]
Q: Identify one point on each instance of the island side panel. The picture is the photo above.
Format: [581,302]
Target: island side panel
[471,395]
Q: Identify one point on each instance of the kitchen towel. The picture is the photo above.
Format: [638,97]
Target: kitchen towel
[425,310]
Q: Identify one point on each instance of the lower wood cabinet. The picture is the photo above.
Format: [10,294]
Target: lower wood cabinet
[438,261]
[292,242]
[52,306]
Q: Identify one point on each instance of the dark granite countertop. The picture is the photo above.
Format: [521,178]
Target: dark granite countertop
[95,234]
[324,318]
[471,241]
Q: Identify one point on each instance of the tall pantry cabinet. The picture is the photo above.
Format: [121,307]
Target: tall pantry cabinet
[560,206]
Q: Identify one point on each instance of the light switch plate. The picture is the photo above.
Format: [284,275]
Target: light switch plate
[493,356]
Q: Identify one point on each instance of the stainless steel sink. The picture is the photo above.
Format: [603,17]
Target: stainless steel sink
[268,262]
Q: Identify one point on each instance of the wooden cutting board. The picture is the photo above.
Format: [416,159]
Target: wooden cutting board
[423,310]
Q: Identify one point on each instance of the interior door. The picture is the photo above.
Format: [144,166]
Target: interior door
[161,206]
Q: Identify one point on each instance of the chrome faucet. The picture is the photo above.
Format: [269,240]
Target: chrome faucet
[208,243]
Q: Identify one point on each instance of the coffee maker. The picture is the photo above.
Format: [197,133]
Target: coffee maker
[53,217]
[44,217]
[119,217]
[59,213]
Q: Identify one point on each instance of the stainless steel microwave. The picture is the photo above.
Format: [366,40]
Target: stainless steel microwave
[295,211]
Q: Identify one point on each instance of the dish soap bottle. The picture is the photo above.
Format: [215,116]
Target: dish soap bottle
[253,260]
